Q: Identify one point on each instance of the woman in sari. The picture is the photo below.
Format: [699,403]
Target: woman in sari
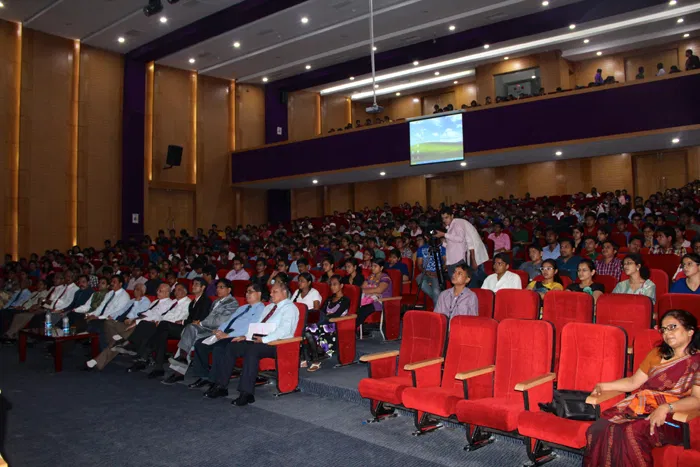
[667,381]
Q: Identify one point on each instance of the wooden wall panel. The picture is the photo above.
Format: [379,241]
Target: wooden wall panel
[693,163]
[303,113]
[45,142]
[253,209]
[99,146]
[307,202]
[170,209]
[404,107]
[336,112]
[613,65]
[339,198]
[372,194]
[250,116]
[409,190]
[447,189]
[485,83]
[172,123]
[660,171]
[214,199]
[649,61]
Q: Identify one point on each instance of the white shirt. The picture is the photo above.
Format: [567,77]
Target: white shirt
[62,296]
[111,304]
[241,275]
[133,282]
[286,318]
[509,280]
[475,243]
[310,298]
[661,72]
[179,313]
[139,306]
[157,309]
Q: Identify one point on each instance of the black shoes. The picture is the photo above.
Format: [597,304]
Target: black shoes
[137,366]
[216,391]
[243,400]
[200,383]
[156,374]
[173,378]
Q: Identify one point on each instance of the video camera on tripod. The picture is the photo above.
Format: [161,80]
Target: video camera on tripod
[434,245]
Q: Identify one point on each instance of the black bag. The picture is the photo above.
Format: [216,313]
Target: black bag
[571,405]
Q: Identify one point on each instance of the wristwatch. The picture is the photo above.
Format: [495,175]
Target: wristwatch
[670,408]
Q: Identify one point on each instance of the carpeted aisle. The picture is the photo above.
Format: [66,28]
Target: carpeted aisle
[117,419]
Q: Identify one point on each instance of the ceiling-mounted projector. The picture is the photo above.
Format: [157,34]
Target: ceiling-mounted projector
[374,109]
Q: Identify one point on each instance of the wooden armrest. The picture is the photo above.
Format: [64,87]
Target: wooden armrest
[424,363]
[285,341]
[685,417]
[377,356]
[475,372]
[536,381]
[605,396]
[343,318]
[389,299]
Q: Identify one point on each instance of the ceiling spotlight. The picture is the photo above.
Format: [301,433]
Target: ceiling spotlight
[676,140]
[2,5]
[304,20]
[376,86]
[374,48]
[572,26]
[382,173]
[486,46]
[352,78]
[237,44]
[452,27]
[558,153]
[314,181]
[153,8]
[437,73]
[545,3]
[192,60]
[533,77]
[686,35]
[586,41]
[120,39]
[415,63]
[398,94]
[265,79]
[672,3]
[308,67]
[463,164]
[416,100]
[679,21]
[599,53]
[163,19]
[506,58]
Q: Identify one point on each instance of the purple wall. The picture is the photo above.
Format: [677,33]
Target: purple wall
[650,106]
[133,139]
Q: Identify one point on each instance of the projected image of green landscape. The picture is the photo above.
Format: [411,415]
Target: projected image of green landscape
[437,139]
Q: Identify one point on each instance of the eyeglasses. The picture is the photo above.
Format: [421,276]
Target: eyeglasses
[247,292]
[670,327]
[631,263]
[547,268]
[221,287]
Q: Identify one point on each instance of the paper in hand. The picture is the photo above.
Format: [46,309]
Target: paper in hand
[260,328]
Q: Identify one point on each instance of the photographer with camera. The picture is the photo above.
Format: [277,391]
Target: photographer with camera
[464,245]
[428,279]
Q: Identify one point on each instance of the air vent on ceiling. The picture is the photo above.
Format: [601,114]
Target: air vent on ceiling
[265,32]
[204,55]
[133,33]
[191,3]
[497,17]
[411,39]
[342,4]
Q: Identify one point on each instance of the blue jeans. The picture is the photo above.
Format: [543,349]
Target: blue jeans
[430,286]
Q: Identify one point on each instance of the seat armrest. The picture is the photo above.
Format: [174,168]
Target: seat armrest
[378,356]
[285,341]
[475,372]
[630,351]
[343,318]
[536,381]
[605,396]
[389,299]
[685,417]
[423,364]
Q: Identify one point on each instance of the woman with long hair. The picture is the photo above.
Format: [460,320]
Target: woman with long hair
[306,294]
[691,282]
[638,282]
[550,279]
[586,271]
[667,381]
[354,275]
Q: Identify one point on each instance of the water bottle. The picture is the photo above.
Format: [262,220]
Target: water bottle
[66,326]
[48,324]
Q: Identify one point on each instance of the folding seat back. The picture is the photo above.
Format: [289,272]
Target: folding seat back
[561,308]
[323,289]
[678,301]
[660,280]
[644,341]
[240,287]
[222,273]
[353,293]
[286,363]
[471,344]
[486,298]
[241,300]
[633,313]
[516,304]
[316,274]
[524,278]
[396,281]
[609,282]
[667,263]
[423,337]
[525,349]
[409,265]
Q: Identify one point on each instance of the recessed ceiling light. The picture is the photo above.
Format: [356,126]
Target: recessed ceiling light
[163,19]
[308,67]
[376,86]
[463,164]
[304,20]
[314,181]
[686,34]
[374,48]
[415,63]
[416,100]
[192,60]
[680,20]
[452,27]
[586,41]
[456,82]
[506,58]
[392,88]
[437,73]
[572,26]
[382,173]
[676,140]
[558,153]
[265,79]
[121,40]
[236,44]
[533,77]
[599,53]
[545,3]
[352,78]
[398,93]
[486,46]
[672,2]
[2,5]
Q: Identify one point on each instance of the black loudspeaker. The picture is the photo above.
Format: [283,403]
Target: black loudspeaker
[174,158]
[284,97]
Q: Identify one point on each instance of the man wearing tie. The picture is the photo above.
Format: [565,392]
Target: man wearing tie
[115,300]
[236,325]
[283,313]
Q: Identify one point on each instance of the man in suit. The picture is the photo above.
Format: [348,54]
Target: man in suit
[283,313]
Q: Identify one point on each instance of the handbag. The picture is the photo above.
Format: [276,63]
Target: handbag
[570,405]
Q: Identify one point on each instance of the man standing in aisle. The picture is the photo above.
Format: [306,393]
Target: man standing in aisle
[464,245]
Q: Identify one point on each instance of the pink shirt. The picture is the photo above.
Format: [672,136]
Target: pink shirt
[500,242]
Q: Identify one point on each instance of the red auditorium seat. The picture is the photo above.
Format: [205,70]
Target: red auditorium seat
[609,282]
[524,278]
[667,263]
[678,301]
[187,283]
[222,273]
[590,353]
[561,308]
[524,350]
[521,304]
[565,280]
[486,299]
[644,341]
[390,316]
[239,288]
[633,313]
[471,345]
[423,338]
[345,328]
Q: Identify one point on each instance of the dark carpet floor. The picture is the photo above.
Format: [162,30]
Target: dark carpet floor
[112,418]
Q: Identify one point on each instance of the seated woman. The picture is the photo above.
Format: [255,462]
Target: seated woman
[306,294]
[638,283]
[691,282]
[327,269]
[354,276]
[668,380]
[367,258]
[376,287]
[550,281]
[586,271]
[321,337]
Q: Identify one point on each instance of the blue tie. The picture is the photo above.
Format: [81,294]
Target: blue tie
[230,323]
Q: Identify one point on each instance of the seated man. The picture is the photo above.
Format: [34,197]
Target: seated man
[238,273]
[236,325]
[173,317]
[285,316]
[609,264]
[119,325]
[567,263]
[532,267]
[458,300]
[112,303]
[17,302]
[81,300]
[502,278]
[665,237]
[153,281]
[395,263]
[635,244]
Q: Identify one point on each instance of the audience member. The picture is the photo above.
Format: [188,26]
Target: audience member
[567,263]
[640,73]
[395,263]
[501,240]
[609,264]
[463,243]
[638,282]
[532,267]
[550,279]
[353,276]
[691,282]
[375,287]
[692,61]
[665,236]
[154,280]
[660,69]
[136,278]
[237,273]
[326,270]
[502,278]
[458,300]
[586,271]
[306,294]
[598,78]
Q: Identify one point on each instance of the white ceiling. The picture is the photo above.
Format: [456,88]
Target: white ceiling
[656,142]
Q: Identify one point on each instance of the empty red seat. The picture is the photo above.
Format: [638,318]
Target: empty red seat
[240,288]
[525,349]
[423,338]
[561,308]
[660,280]
[471,344]
[524,278]
[516,304]
[678,301]
[631,312]
[486,298]
[667,263]
[609,282]
[590,353]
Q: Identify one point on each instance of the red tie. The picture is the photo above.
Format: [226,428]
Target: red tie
[55,302]
[269,315]
[171,307]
